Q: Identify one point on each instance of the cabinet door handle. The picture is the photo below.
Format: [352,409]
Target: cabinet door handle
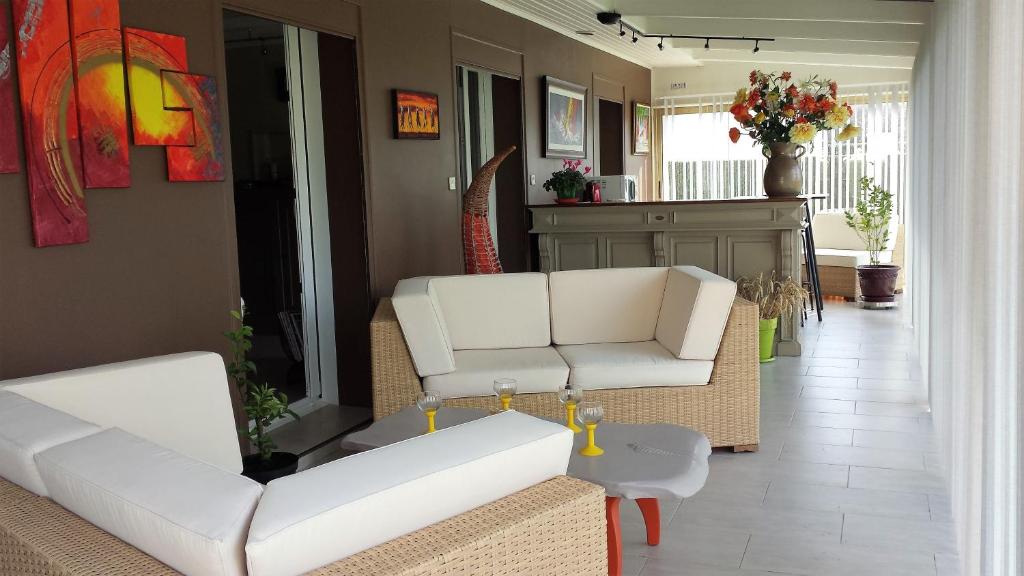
[659,217]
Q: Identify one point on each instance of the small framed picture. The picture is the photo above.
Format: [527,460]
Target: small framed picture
[641,129]
[565,119]
[415,115]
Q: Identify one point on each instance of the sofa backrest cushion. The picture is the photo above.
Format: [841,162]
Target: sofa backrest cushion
[426,334]
[831,231]
[694,312]
[333,511]
[491,311]
[606,305]
[188,514]
[181,401]
[26,429]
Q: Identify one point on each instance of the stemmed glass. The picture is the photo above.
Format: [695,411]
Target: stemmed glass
[590,413]
[505,389]
[428,402]
[571,395]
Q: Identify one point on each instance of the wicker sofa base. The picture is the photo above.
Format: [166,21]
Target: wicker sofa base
[726,409]
[554,528]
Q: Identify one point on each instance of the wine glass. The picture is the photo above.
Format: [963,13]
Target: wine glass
[590,413]
[505,389]
[428,402]
[570,396]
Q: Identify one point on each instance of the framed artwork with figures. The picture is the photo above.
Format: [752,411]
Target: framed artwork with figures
[641,129]
[565,119]
[416,115]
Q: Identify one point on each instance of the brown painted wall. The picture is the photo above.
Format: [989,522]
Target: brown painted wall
[160,273]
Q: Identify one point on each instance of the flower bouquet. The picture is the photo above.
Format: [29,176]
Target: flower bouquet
[782,116]
[568,182]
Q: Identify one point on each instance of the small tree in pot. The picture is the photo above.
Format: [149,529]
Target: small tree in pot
[774,299]
[870,220]
[263,406]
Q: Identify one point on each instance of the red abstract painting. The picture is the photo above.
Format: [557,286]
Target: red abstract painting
[50,122]
[148,54]
[100,92]
[204,161]
[8,139]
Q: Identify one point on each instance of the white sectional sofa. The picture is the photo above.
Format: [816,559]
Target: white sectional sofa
[86,456]
[653,331]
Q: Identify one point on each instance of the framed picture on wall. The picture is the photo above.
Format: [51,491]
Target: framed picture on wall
[565,119]
[641,129]
[415,115]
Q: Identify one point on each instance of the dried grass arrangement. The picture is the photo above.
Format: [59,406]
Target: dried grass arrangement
[774,298]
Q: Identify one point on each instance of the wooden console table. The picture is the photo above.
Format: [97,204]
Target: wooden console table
[731,238]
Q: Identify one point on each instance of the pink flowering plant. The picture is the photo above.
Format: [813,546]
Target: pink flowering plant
[569,181]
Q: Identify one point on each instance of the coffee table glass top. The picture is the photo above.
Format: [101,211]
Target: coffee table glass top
[640,460]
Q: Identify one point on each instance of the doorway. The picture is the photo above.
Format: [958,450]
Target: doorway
[301,230]
[490,108]
[611,137]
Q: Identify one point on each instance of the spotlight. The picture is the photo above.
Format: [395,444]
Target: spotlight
[756,47]
[622,32]
[661,44]
[635,39]
[707,44]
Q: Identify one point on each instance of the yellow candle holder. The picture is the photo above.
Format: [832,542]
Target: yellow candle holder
[505,389]
[570,418]
[430,421]
[570,395]
[506,401]
[428,402]
[590,414]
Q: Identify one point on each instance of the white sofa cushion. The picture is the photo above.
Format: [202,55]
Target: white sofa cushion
[848,258]
[606,305]
[188,514]
[335,510]
[423,326]
[26,429]
[631,365]
[534,369]
[181,401]
[491,311]
[694,312]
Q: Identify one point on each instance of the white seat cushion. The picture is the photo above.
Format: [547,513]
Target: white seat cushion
[423,326]
[631,365]
[188,514]
[180,401]
[848,258]
[492,311]
[333,511]
[694,312]
[831,231]
[606,305]
[26,429]
[534,369]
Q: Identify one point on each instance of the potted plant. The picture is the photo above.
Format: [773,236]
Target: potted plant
[263,406]
[774,298]
[870,219]
[782,115]
[568,183]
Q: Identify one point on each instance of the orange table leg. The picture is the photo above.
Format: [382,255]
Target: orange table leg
[611,507]
[652,519]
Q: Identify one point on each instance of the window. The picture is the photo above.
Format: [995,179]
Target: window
[700,162]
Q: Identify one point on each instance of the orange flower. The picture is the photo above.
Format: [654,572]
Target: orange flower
[825,104]
[833,88]
[755,95]
[801,120]
[734,135]
[788,111]
[808,104]
[740,113]
[753,77]
[786,76]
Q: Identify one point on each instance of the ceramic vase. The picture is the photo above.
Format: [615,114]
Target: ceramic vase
[782,176]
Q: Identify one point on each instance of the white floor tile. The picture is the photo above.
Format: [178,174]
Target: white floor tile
[792,555]
[857,422]
[689,545]
[848,500]
[894,396]
[894,440]
[921,482]
[891,409]
[853,456]
[898,534]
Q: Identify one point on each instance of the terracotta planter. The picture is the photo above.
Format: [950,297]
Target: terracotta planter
[782,176]
[281,464]
[567,200]
[878,282]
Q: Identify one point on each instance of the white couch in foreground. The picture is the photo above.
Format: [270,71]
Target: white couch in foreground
[85,457]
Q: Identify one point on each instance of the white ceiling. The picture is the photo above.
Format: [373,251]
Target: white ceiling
[857,33]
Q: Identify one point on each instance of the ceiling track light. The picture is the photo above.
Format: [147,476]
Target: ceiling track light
[635,39]
[622,31]
[612,18]
[707,44]
[661,44]
[756,47]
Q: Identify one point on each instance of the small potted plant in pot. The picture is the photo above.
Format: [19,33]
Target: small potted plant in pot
[568,183]
[774,298]
[263,406]
[871,219]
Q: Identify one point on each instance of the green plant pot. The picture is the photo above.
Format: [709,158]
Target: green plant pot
[766,339]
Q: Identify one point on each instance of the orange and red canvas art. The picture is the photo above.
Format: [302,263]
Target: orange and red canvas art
[8,139]
[416,115]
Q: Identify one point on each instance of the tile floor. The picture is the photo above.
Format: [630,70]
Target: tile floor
[844,483]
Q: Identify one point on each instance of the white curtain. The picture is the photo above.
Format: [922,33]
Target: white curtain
[965,265]
[700,162]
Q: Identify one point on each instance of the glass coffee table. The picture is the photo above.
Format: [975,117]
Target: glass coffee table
[641,462]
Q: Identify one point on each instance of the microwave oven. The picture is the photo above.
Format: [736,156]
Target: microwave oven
[620,188]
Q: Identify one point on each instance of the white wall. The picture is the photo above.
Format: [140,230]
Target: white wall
[965,265]
[727,77]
